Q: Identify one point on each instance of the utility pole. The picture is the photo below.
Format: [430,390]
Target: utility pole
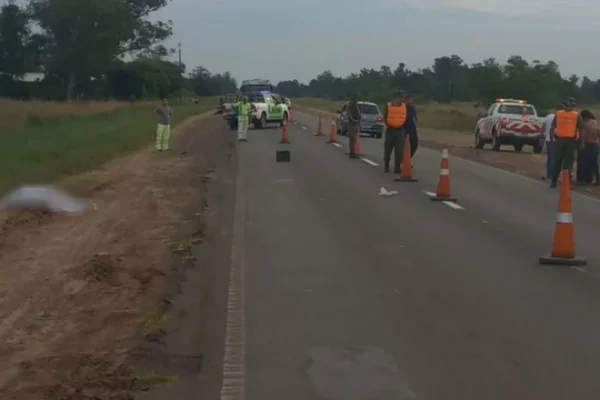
[181,68]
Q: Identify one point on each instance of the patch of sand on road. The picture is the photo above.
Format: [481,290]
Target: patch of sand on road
[75,291]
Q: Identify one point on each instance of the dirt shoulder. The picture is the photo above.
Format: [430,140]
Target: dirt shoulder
[461,144]
[79,293]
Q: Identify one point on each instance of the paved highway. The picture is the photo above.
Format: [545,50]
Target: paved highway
[340,294]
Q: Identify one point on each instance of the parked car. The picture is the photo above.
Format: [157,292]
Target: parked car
[371,120]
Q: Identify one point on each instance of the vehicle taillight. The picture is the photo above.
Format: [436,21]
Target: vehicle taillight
[504,121]
[379,119]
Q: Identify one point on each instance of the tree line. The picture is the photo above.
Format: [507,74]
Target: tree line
[450,79]
[93,49]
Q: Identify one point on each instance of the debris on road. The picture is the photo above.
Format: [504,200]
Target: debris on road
[384,192]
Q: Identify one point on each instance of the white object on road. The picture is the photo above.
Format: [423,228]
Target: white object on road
[43,197]
[384,192]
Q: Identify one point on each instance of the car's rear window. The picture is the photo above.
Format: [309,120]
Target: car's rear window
[256,98]
[230,98]
[368,109]
[516,109]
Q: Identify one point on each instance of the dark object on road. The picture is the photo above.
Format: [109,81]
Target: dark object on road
[283,156]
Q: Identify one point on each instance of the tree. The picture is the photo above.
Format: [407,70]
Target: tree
[14,38]
[85,37]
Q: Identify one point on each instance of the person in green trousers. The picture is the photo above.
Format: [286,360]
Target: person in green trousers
[164,114]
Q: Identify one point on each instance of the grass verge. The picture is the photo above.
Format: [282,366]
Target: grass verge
[44,142]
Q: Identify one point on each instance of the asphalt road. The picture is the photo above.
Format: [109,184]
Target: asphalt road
[340,294]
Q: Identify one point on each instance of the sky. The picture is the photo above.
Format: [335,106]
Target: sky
[286,39]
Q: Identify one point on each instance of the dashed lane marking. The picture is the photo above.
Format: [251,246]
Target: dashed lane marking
[450,204]
[370,162]
[337,145]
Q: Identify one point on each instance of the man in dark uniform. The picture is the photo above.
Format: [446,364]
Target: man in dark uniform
[395,131]
[353,113]
[411,125]
[565,132]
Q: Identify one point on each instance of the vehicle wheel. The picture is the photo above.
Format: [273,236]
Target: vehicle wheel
[478,141]
[518,147]
[378,136]
[263,121]
[284,121]
[496,142]
[256,124]
[537,148]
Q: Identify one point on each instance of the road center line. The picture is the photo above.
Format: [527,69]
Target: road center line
[370,162]
[337,145]
[450,204]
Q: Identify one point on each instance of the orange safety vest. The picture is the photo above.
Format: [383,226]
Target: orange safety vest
[566,123]
[396,117]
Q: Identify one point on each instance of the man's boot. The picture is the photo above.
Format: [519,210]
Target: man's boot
[397,169]
[386,166]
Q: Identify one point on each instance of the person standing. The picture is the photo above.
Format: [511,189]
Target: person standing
[587,156]
[353,113]
[395,118]
[244,109]
[411,125]
[565,131]
[549,140]
[164,114]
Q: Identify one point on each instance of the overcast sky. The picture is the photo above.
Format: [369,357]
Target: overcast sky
[283,39]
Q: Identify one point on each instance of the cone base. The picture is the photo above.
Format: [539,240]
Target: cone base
[449,198]
[576,261]
[406,179]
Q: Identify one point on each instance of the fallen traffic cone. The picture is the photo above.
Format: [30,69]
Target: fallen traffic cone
[443,189]
[563,246]
[284,135]
[319,127]
[332,132]
[406,171]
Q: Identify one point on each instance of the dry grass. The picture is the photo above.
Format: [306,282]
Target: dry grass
[455,117]
[14,111]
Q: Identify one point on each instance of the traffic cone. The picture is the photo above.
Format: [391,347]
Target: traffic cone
[563,246]
[319,127]
[443,189]
[332,132]
[406,171]
[293,115]
[284,135]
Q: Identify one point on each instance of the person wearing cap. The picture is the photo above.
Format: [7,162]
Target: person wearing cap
[395,117]
[353,113]
[549,140]
[565,132]
[244,110]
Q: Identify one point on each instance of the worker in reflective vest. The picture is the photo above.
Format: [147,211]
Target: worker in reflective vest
[244,110]
[565,130]
[395,117]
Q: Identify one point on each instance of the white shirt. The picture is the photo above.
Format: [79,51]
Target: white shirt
[547,126]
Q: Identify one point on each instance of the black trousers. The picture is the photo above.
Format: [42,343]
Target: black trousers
[394,142]
[587,163]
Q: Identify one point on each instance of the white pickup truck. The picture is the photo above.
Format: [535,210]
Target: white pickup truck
[268,108]
[510,122]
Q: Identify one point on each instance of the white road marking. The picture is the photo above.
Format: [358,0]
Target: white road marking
[450,204]
[370,162]
[583,271]
[337,145]
[305,128]
[233,386]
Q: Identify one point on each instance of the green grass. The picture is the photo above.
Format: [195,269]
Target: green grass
[42,147]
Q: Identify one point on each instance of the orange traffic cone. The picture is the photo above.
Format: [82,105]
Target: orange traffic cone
[443,189]
[406,171]
[563,246]
[319,127]
[284,135]
[332,132]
